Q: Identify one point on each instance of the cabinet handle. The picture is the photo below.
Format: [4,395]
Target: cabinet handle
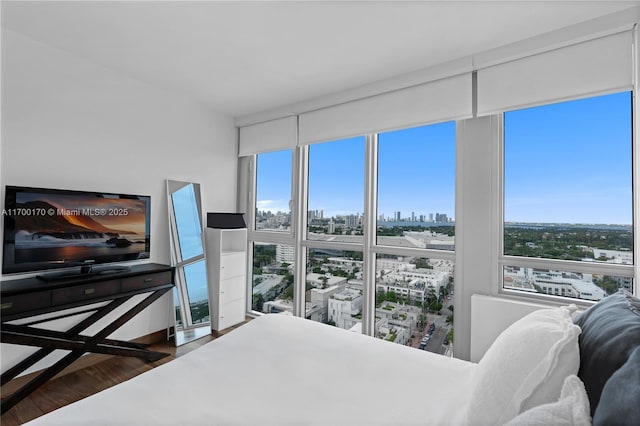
[7,305]
[88,291]
[148,280]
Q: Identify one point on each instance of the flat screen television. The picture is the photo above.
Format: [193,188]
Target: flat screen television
[48,229]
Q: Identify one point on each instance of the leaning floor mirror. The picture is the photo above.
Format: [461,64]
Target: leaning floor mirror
[187,256]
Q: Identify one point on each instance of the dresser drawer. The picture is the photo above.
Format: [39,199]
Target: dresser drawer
[231,313]
[10,305]
[146,281]
[232,289]
[232,265]
[62,296]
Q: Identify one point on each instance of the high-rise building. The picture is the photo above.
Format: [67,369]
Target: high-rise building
[285,253]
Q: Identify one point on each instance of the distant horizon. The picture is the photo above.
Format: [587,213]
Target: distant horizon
[453,221]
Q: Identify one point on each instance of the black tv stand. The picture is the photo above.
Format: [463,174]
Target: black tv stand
[83,273]
[95,296]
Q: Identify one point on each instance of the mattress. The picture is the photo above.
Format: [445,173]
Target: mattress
[284,370]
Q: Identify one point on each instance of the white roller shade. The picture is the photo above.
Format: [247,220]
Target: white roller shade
[271,135]
[436,101]
[591,67]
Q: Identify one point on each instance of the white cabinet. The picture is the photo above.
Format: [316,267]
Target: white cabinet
[227,276]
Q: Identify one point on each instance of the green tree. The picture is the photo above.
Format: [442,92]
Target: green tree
[435,305]
[391,296]
[608,284]
[258,302]
[324,280]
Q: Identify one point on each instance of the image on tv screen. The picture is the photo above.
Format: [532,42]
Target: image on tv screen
[76,227]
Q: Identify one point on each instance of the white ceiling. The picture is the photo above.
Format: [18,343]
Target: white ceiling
[242,57]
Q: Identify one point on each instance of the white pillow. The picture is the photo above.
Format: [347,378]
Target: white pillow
[571,409]
[525,367]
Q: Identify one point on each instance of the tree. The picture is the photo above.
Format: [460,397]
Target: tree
[422,321]
[391,296]
[450,319]
[435,305]
[608,284]
[324,280]
[258,302]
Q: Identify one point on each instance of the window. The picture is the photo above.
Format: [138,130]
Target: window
[416,187]
[568,197]
[415,172]
[336,190]
[273,191]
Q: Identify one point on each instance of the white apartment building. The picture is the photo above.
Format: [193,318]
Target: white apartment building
[614,256]
[285,307]
[414,283]
[344,306]
[397,331]
[320,301]
[324,280]
[397,263]
[556,283]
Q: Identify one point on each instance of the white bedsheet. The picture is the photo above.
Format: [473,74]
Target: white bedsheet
[283,370]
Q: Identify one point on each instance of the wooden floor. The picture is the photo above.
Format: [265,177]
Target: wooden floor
[79,384]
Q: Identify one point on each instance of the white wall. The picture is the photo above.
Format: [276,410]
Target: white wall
[71,124]
[490,316]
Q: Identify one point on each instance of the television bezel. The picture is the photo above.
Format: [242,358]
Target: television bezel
[8,238]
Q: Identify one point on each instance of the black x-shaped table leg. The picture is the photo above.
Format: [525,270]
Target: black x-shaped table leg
[72,340]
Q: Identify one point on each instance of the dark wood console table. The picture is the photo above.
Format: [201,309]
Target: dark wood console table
[25,298]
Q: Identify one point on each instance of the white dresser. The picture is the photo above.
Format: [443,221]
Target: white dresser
[227,276]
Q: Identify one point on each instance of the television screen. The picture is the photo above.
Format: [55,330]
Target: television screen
[52,228]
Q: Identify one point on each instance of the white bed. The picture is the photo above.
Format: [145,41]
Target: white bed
[278,370]
[283,370]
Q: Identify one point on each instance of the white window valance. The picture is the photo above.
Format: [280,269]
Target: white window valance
[271,135]
[435,101]
[592,67]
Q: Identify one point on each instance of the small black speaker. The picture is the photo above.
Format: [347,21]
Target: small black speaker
[226,220]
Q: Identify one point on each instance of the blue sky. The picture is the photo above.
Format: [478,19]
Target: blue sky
[336,177]
[568,162]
